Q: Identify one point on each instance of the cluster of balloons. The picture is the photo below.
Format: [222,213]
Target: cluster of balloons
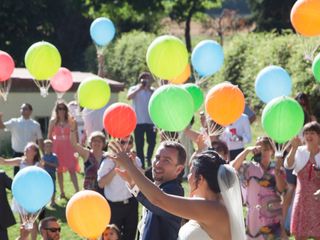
[282,117]
[88,214]
[171,107]
[167,58]
[43,61]
[32,188]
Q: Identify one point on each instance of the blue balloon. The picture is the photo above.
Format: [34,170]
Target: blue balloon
[207,57]
[272,82]
[32,188]
[102,31]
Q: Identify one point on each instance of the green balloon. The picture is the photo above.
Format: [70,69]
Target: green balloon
[316,67]
[93,93]
[196,94]
[282,119]
[42,60]
[171,108]
[167,57]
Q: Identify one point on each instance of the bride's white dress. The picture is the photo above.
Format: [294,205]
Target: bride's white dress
[192,231]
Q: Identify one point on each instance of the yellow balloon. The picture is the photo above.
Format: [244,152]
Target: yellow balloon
[88,214]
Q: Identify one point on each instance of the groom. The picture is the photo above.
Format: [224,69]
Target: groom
[167,168]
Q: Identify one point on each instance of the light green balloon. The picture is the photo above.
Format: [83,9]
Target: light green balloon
[282,119]
[171,108]
[167,57]
[196,94]
[42,60]
[93,93]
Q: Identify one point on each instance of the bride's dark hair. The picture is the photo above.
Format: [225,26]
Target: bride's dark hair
[207,165]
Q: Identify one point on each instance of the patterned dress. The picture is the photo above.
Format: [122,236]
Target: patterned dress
[91,167]
[263,201]
[306,211]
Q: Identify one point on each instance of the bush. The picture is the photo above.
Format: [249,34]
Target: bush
[247,54]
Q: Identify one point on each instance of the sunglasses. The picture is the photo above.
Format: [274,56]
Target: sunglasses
[53,229]
[125,142]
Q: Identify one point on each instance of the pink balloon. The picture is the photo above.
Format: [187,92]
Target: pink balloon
[6,66]
[62,81]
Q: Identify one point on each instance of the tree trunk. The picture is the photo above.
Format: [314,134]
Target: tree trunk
[187,33]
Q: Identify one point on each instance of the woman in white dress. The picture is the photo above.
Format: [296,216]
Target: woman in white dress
[214,207]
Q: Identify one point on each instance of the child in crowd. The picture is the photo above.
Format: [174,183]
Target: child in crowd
[31,157]
[50,163]
[112,232]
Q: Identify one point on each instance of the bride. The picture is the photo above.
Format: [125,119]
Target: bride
[214,209]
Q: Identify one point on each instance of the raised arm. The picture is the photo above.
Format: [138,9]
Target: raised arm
[281,183]
[50,128]
[10,162]
[84,152]
[188,208]
[106,172]
[237,162]
[133,91]
[2,126]
[290,159]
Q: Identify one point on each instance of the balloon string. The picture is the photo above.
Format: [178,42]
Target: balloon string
[202,80]
[43,85]
[273,145]
[5,88]
[60,95]
[213,129]
[309,49]
[281,147]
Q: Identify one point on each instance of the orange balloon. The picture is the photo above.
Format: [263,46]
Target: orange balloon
[305,17]
[183,77]
[225,103]
[88,214]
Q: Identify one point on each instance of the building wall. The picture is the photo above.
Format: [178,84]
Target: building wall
[42,108]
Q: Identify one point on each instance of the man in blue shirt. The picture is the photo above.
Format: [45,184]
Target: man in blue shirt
[167,169]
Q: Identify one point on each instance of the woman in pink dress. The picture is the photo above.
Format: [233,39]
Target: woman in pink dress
[263,180]
[59,133]
[305,162]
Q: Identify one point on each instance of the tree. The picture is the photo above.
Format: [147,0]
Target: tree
[60,22]
[128,15]
[271,14]
[184,10]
